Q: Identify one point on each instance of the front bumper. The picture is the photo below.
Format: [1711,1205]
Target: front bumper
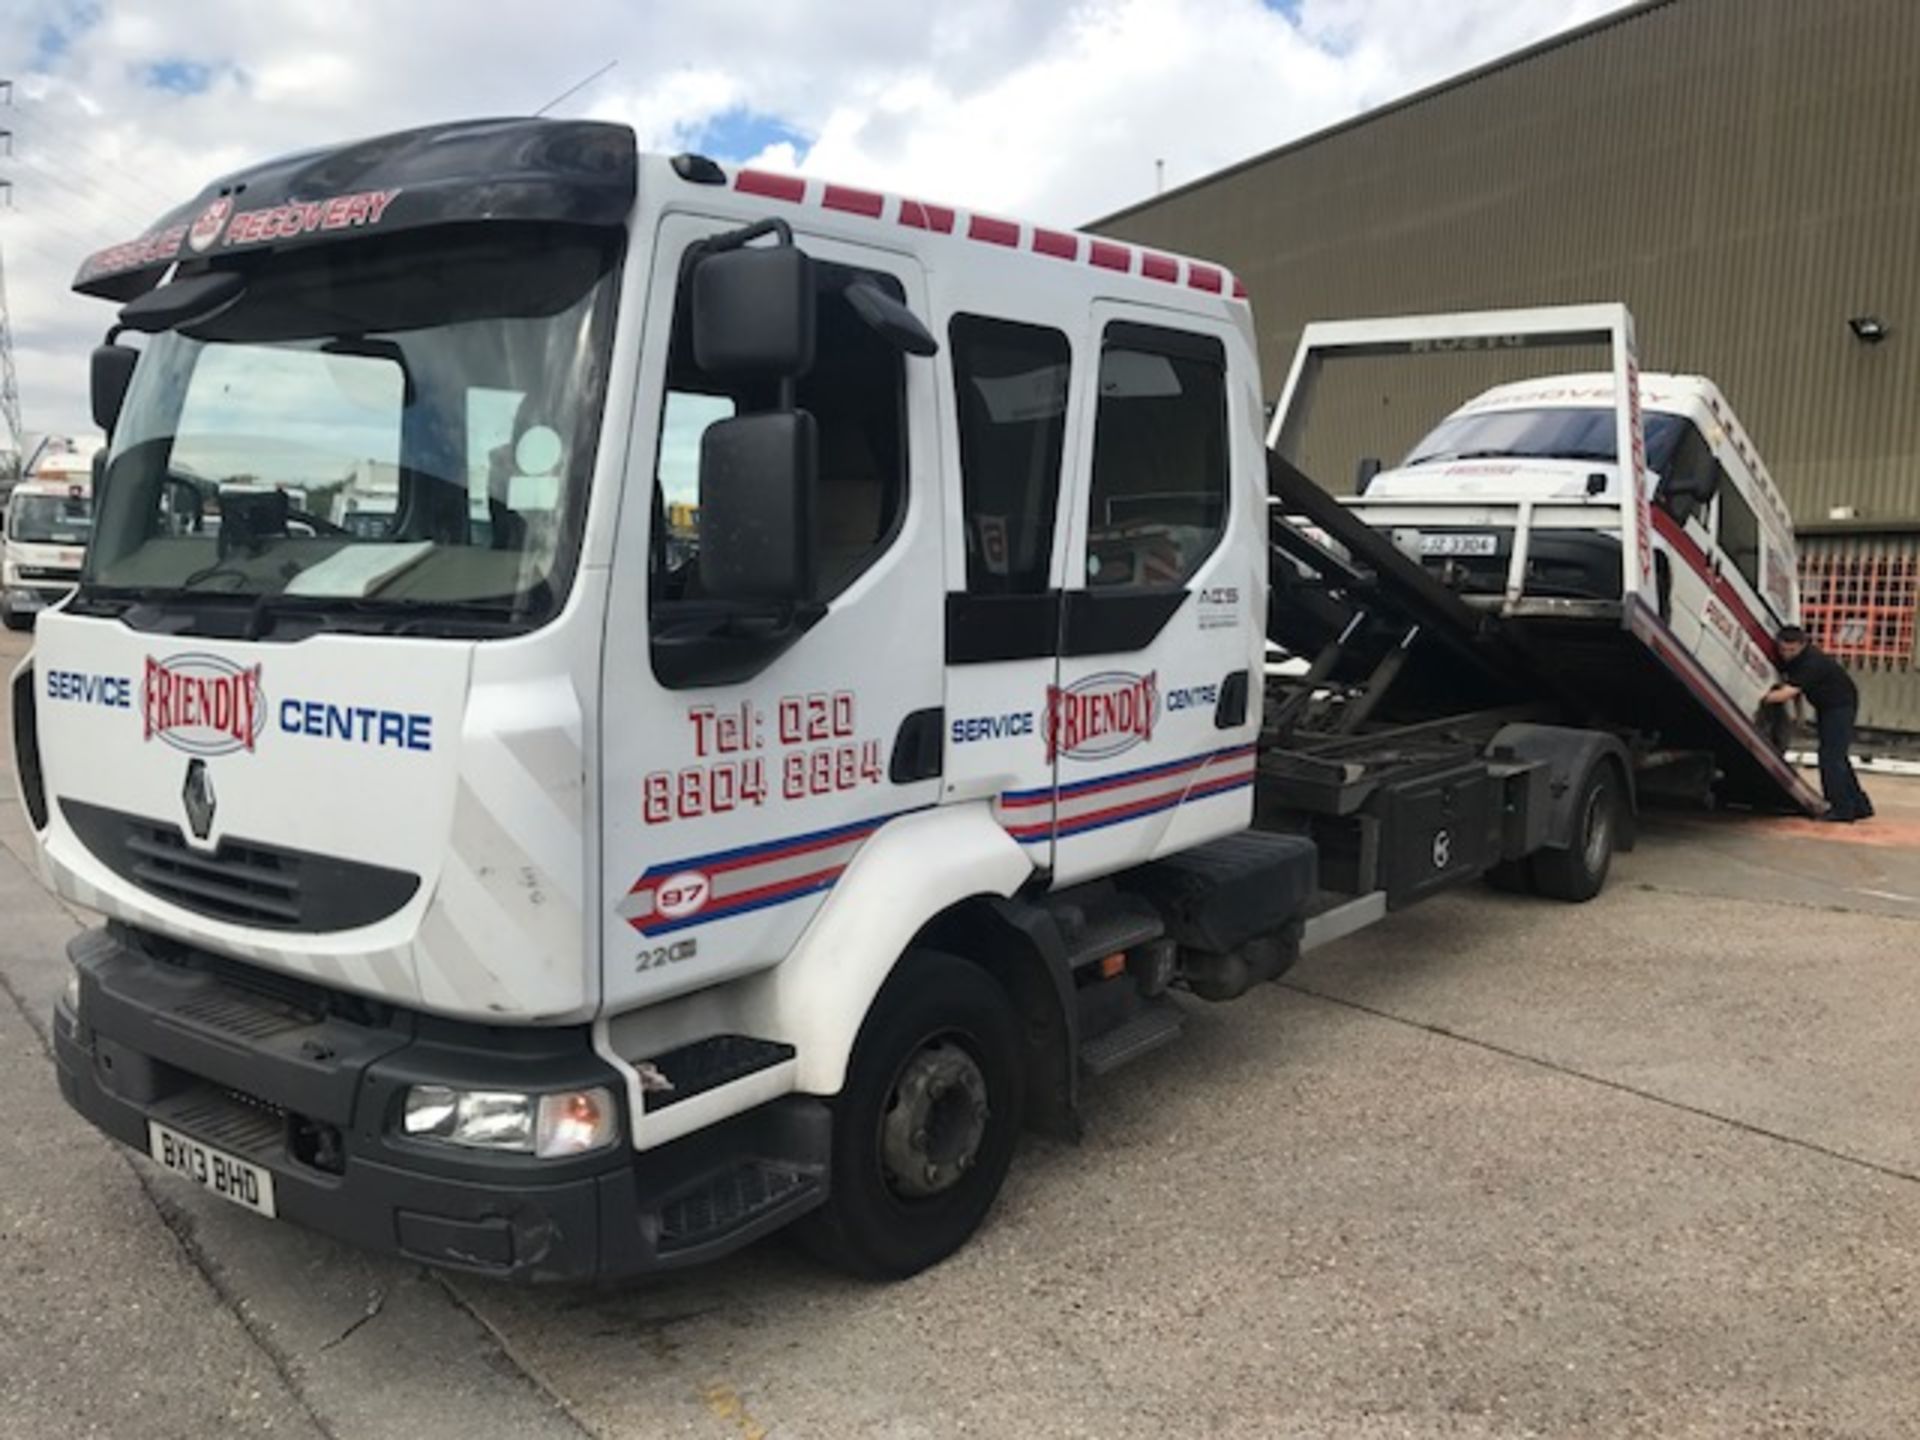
[307,1083]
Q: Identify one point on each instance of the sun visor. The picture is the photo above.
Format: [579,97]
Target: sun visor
[577,171]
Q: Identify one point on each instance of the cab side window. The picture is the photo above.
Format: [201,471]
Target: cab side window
[1740,533]
[856,392]
[1689,467]
[1010,389]
[1158,502]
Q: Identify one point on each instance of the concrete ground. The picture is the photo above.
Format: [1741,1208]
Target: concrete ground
[1497,1167]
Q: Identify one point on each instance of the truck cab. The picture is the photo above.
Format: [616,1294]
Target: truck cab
[49,518]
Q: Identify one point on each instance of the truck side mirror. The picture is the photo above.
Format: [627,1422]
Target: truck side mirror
[890,320]
[1364,472]
[753,312]
[757,481]
[112,373]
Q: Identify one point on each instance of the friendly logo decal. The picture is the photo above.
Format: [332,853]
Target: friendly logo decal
[202,704]
[1102,715]
[212,221]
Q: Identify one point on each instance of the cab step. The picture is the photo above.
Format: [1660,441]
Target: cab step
[745,1199]
[1157,1025]
[708,1064]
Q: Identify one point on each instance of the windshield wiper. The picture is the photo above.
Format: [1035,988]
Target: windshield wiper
[1602,455]
[384,617]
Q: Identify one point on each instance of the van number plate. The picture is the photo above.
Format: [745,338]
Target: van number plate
[1431,544]
[227,1176]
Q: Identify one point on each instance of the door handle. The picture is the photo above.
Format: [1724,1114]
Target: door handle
[917,751]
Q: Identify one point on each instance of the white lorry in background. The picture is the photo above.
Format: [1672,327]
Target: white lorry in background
[1655,600]
[49,518]
[803,711]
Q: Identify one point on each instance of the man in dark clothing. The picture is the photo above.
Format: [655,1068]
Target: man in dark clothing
[1807,670]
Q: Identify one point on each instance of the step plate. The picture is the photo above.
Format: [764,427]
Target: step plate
[730,1202]
[1141,1035]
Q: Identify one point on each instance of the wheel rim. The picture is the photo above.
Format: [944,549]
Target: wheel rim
[935,1121]
[1599,830]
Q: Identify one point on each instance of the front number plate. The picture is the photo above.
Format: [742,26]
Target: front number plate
[1444,544]
[227,1176]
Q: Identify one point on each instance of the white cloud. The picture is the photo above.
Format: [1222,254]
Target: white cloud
[1056,109]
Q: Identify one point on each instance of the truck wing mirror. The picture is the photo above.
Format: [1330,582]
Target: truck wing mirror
[890,320]
[112,373]
[753,312]
[1364,472]
[757,481]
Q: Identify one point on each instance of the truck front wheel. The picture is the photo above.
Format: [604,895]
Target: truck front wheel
[1579,872]
[924,1129]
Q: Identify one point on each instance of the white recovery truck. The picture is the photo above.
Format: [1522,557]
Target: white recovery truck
[805,711]
[48,516]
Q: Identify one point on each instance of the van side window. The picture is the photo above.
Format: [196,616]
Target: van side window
[856,392]
[1010,389]
[1739,532]
[1689,464]
[1159,497]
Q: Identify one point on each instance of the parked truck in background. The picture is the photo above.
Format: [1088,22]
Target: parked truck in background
[806,711]
[48,518]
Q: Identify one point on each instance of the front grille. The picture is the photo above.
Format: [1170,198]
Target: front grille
[241,881]
[47,573]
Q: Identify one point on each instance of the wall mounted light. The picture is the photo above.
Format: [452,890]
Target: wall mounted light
[1868,329]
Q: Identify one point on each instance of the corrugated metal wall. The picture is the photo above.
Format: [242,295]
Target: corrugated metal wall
[1745,174]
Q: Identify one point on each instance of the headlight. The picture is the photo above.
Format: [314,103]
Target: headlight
[73,993]
[549,1126]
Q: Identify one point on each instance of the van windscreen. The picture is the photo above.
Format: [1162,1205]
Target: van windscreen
[1565,433]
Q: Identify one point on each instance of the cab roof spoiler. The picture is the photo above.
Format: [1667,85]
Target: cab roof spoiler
[579,172]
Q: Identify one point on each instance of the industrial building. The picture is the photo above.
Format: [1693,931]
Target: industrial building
[1744,174]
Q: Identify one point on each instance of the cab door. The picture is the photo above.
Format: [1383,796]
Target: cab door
[1011,443]
[1149,726]
[742,778]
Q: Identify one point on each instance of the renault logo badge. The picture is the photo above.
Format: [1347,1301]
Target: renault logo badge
[197,794]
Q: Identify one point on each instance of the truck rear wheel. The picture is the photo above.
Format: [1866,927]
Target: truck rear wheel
[924,1129]
[15,620]
[1579,872]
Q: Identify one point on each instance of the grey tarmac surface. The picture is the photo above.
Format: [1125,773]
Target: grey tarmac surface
[1495,1168]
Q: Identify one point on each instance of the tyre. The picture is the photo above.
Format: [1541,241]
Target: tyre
[1579,872]
[924,1128]
[13,620]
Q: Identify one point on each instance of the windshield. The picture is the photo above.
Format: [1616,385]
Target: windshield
[1559,434]
[400,428]
[49,519]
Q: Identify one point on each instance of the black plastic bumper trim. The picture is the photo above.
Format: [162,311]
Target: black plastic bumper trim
[154,1039]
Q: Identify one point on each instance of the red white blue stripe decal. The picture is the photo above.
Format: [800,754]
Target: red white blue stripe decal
[1034,817]
[700,889]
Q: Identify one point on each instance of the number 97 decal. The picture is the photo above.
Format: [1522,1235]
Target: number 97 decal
[681,895]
